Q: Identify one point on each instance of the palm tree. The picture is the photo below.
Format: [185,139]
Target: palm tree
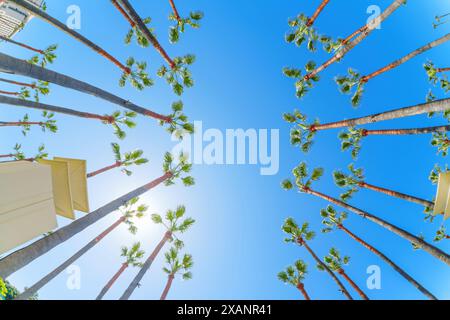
[295,275]
[355,180]
[304,82]
[48,123]
[122,161]
[128,212]
[138,77]
[336,263]
[303,132]
[22,257]
[438,20]
[39,88]
[303,182]
[180,23]
[300,236]
[174,224]
[441,234]
[132,257]
[43,58]
[175,266]
[178,74]
[334,221]
[434,76]
[356,80]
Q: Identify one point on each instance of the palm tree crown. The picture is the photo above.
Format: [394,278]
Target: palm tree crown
[133,255]
[177,265]
[174,222]
[130,211]
[295,274]
[128,159]
[334,260]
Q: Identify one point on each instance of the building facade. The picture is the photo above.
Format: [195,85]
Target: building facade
[13,18]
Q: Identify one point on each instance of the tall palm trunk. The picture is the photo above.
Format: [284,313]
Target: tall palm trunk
[301,288]
[353,284]
[148,263]
[395,132]
[63,27]
[316,13]
[105,169]
[19,124]
[28,293]
[325,267]
[51,108]
[22,257]
[112,281]
[402,272]
[348,47]
[434,106]
[435,252]
[396,194]
[168,286]
[408,57]
[10,93]
[29,85]
[21,45]
[442,69]
[6,155]
[20,67]
[124,13]
[146,32]
[175,10]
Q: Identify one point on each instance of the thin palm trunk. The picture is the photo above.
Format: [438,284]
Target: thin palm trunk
[6,155]
[396,194]
[105,169]
[347,48]
[434,106]
[112,281]
[20,67]
[19,124]
[148,263]
[10,93]
[435,252]
[168,286]
[175,10]
[28,293]
[353,284]
[354,34]
[19,259]
[301,288]
[316,13]
[29,85]
[124,13]
[442,69]
[328,270]
[21,45]
[402,272]
[408,57]
[146,32]
[395,132]
[63,27]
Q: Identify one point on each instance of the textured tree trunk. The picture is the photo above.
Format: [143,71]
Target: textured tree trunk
[124,13]
[21,45]
[20,67]
[301,288]
[148,263]
[396,194]
[408,57]
[402,272]
[29,85]
[28,293]
[316,13]
[18,124]
[146,32]
[63,27]
[435,252]
[22,257]
[394,132]
[331,273]
[112,281]
[105,169]
[354,34]
[168,286]
[175,11]
[353,284]
[434,106]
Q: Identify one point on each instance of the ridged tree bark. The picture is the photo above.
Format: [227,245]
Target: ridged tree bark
[353,284]
[167,287]
[112,281]
[316,13]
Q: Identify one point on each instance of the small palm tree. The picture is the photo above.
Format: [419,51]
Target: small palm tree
[48,123]
[438,20]
[441,234]
[176,266]
[434,76]
[336,263]
[301,236]
[19,155]
[179,76]
[135,32]
[39,88]
[132,256]
[174,223]
[193,20]
[295,275]
[122,161]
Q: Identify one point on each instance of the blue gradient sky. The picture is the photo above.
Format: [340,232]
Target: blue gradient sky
[237,242]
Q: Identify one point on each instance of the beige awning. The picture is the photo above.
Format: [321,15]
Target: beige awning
[442,203]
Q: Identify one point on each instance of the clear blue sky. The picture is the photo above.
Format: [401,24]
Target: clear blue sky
[237,243]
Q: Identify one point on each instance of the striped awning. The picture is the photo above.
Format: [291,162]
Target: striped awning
[13,19]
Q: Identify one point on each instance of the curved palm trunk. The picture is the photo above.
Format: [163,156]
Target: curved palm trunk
[148,263]
[301,288]
[21,45]
[434,106]
[29,85]
[124,13]
[20,67]
[316,13]
[408,57]
[105,169]
[396,194]
[435,252]
[146,32]
[370,27]
[402,272]
[394,132]
[63,27]
[28,293]
[325,267]
[22,257]
[112,281]
[353,284]
[167,288]
[175,10]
